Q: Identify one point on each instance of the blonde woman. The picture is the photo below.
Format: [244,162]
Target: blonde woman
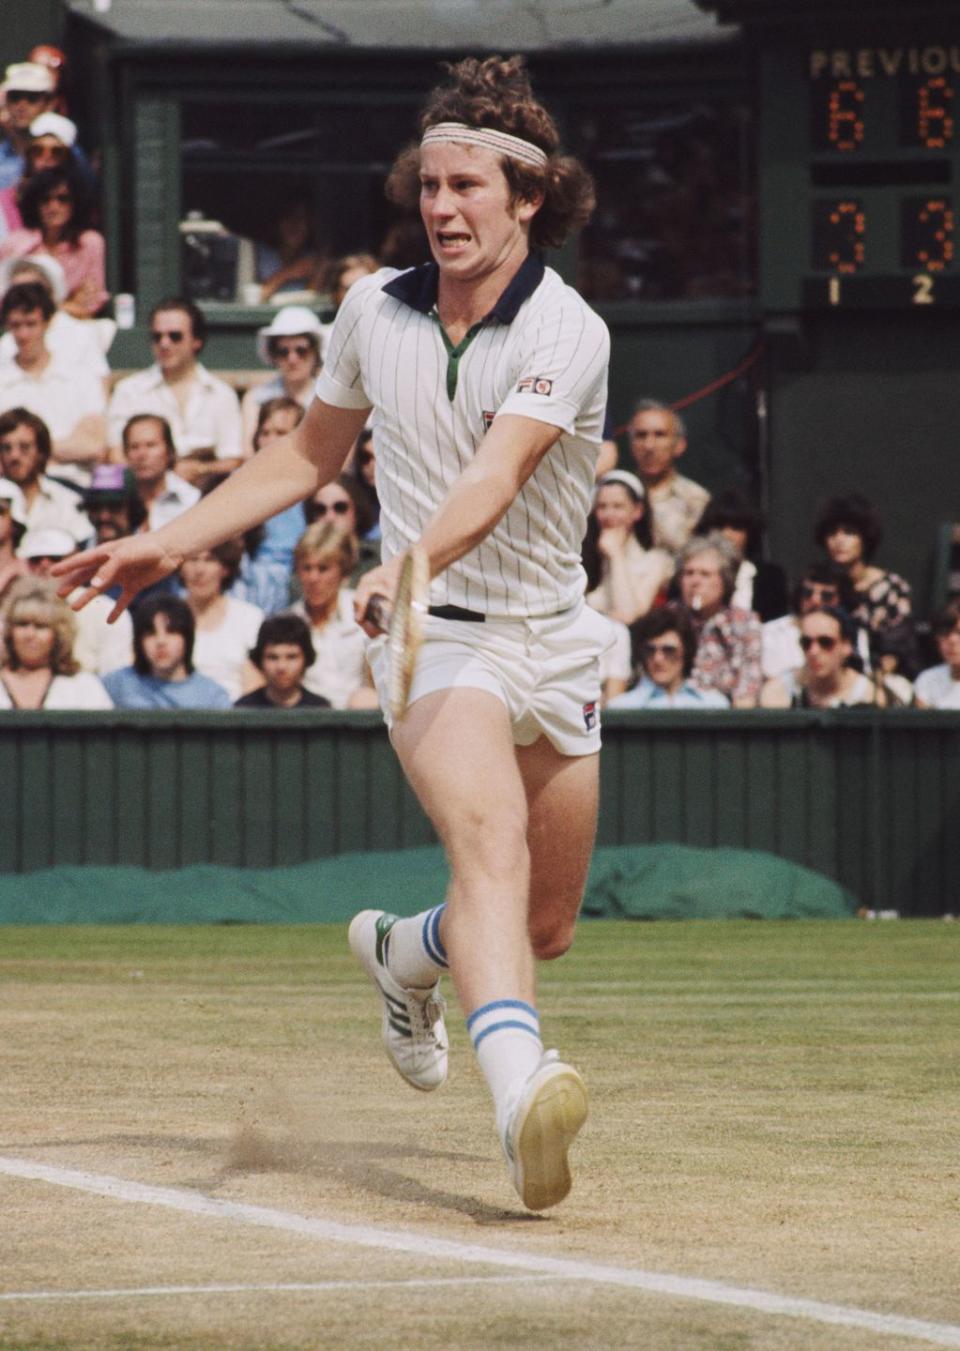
[39,670]
[323,561]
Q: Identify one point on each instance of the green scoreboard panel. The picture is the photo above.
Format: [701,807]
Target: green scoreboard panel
[860,173]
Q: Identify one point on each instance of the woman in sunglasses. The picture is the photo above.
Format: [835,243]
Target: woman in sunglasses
[668,645]
[55,207]
[827,679]
[292,345]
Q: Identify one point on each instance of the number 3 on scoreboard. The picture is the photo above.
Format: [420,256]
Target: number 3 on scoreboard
[923,289]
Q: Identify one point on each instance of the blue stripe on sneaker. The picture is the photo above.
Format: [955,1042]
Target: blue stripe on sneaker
[430,936]
[501,1027]
[503,1004]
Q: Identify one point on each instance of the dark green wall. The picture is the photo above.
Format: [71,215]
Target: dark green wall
[870,799]
[877,411]
[24,24]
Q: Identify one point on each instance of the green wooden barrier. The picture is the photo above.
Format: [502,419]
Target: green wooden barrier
[870,799]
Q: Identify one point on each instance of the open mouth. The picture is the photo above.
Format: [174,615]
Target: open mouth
[449,239]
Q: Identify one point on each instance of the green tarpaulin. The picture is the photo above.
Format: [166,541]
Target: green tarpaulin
[641,882]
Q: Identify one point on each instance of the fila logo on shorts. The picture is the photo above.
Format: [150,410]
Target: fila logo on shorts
[487,420]
[590,716]
[534,384]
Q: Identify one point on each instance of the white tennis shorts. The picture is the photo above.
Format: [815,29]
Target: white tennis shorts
[546,672]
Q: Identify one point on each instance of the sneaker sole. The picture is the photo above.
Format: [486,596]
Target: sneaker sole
[550,1124]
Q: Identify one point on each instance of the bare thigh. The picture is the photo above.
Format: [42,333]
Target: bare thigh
[562,795]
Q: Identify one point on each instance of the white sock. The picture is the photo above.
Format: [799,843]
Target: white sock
[413,952]
[506,1039]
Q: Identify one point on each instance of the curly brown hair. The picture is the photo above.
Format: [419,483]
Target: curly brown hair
[496,93]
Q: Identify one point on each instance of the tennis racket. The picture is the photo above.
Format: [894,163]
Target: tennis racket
[403,625]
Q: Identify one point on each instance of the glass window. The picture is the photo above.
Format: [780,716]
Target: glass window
[676,200]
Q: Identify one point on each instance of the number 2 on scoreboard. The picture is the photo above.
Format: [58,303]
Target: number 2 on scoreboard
[923,289]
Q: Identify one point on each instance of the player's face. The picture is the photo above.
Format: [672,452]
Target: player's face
[164,650]
[655,442]
[320,580]
[283,665]
[845,546]
[146,452]
[32,642]
[20,457]
[701,583]
[474,230]
[825,649]
[616,509]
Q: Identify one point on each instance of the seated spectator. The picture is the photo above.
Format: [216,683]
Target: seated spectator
[28,90]
[894,660]
[112,503]
[52,138]
[98,647]
[291,344]
[625,574]
[827,679]
[13,523]
[323,560]
[68,340]
[226,629]
[283,653]
[267,565]
[55,206]
[151,455]
[939,687]
[202,410]
[38,668]
[340,275]
[822,584]
[294,260]
[162,674]
[761,586]
[728,639]
[69,401]
[363,473]
[668,645]
[25,450]
[849,530]
[343,503]
[657,440]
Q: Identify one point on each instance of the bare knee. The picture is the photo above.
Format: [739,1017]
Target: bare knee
[550,941]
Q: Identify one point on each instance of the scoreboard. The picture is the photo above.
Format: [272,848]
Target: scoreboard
[860,174]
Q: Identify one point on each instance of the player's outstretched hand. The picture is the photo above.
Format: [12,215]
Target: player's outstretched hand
[132,563]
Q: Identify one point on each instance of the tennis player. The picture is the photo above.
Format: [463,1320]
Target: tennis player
[486,375]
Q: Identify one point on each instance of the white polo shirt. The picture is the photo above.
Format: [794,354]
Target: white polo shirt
[211,417]
[60,394]
[541,353]
[177,496]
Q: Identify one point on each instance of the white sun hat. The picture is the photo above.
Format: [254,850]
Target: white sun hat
[289,322]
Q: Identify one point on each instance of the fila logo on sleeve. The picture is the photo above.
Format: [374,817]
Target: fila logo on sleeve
[534,384]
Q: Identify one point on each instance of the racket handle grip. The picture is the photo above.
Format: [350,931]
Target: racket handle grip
[378,612]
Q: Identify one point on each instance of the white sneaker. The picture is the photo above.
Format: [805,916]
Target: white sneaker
[414,1034]
[541,1124]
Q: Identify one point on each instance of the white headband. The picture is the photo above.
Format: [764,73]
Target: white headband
[501,141]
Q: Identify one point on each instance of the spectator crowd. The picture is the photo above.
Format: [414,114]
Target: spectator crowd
[698,617]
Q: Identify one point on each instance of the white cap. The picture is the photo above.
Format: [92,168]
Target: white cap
[628,481]
[289,322]
[41,262]
[9,492]
[29,77]
[53,124]
[46,544]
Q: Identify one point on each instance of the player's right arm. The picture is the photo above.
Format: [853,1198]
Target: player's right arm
[285,472]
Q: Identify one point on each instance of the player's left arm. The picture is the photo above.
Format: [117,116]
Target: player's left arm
[507,456]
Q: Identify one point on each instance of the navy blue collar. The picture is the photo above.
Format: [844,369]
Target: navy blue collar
[418,288]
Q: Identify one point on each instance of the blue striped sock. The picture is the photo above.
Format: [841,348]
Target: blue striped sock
[506,1038]
[413,950]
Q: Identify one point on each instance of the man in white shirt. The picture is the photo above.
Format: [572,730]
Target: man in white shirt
[69,340]
[71,402]
[24,455]
[657,440]
[202,410]
[149,450]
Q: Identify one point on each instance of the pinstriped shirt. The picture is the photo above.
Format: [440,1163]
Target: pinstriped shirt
[541,353]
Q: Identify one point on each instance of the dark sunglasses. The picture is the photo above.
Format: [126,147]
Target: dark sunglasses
[813,591]
[340,508]
[59,151]
[827,644]
[295,349]
[6,508]
[173,335]
[665,649]
[58,197]
[365,456]
[27,95]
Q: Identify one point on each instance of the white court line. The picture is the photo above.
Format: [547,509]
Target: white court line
[274,1288]
[423,1245]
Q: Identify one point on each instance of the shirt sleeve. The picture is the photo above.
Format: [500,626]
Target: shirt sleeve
[562,376]
[227,423]
[340,382]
